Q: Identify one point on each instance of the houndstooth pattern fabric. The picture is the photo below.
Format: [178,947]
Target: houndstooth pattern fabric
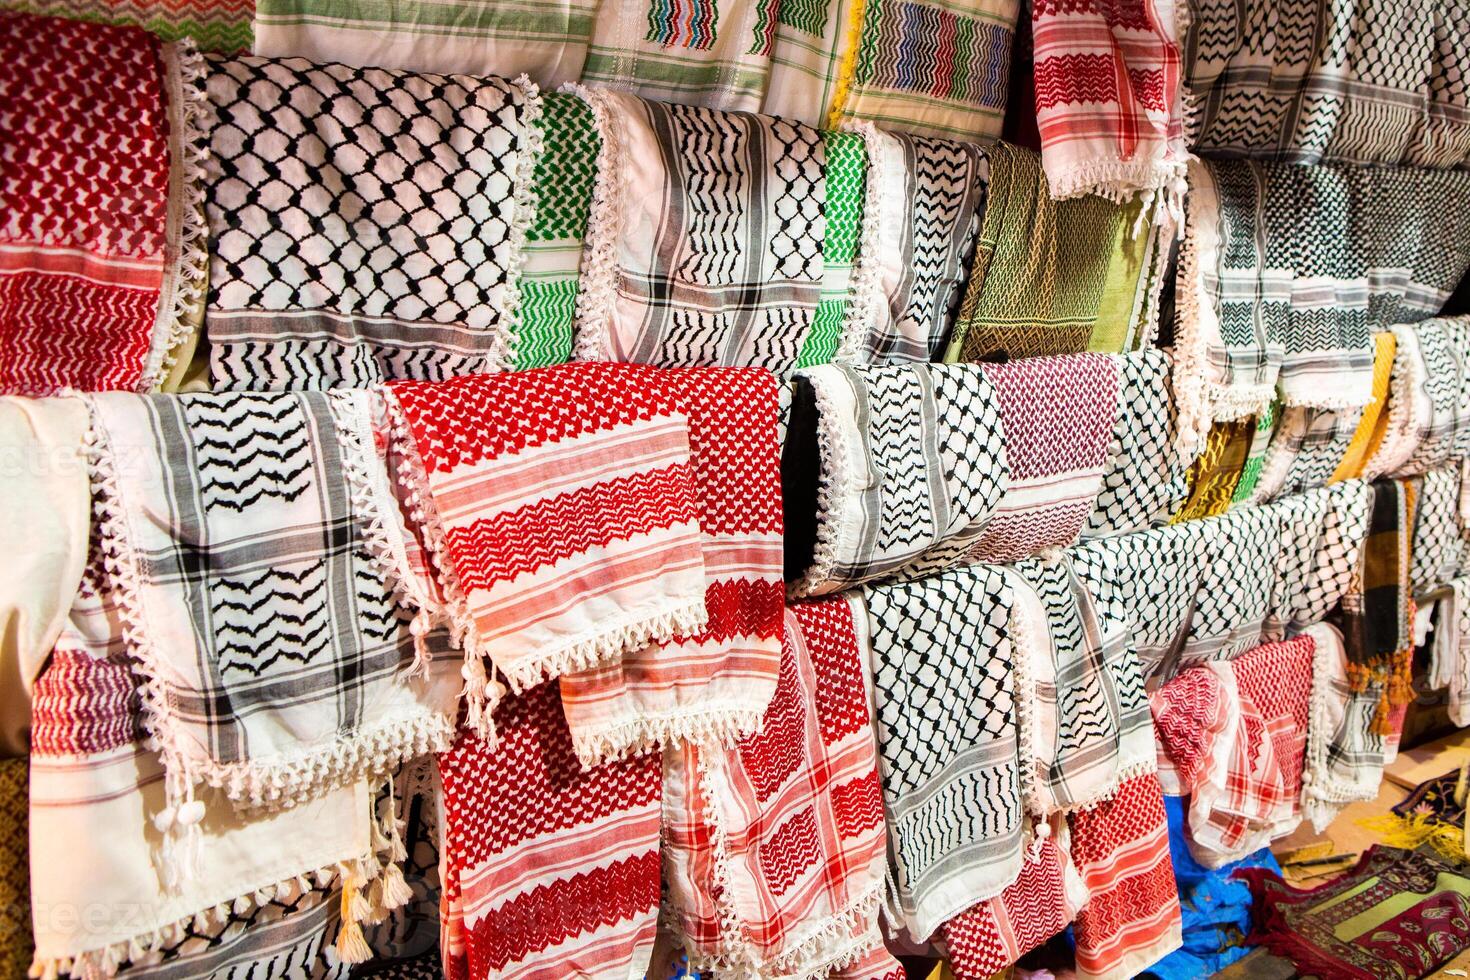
[912,466]
[1145,479]
[361,222]
[948,747]
[1437,553]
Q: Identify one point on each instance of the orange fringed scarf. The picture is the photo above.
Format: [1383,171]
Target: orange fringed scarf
[1379,616]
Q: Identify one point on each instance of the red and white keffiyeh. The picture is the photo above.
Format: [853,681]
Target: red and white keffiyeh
[709,686]
[549,870]
[1058,415]
[1121,850]
[1109,96]
[1042,902]
[101,255]
[776,849]
[560,503]
[1232,737]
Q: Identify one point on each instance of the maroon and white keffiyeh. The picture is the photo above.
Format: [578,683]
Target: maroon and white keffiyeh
[1058,415]
[713,685]
[777,848]
[549,870]
[560,503]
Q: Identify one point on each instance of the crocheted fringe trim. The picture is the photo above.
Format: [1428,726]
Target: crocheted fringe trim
[733,936]
[1021,653]
[1110,791]
[524,202]
[847,68]
[834,484]
[106,961]
[186,257]
[604,224]
[1191,401]
[1400,437]
[866,303]
[1323,797]
[606,645]
[1160,181]
[835,943]
[705,730]
[481,694]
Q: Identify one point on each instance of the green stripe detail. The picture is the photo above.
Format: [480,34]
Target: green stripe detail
[548,310]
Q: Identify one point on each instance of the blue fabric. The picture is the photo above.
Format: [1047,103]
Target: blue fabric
[1217,910]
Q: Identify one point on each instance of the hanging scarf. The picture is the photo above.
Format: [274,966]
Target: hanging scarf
[1235,594]
[15,884]
[1345,751]
[1145,478]
[1395,915]
[214,25]
[706,239]
[1053,277]
[1328,83]
[265,890]
[898,465]
[547,864]
[1058,416]
[1121,850]
[561,506]
[1322,536]
[1440,389]
[1286,270]
[1109,103]
[1241,730]
[847,260]
[1438,545]
[776,847]
[1215,475]
[1378,613]
[895,75]
[1450,653]
[1085,725]
[811,43]
[260,598]
[925,200]
[1250,473]
[948,741]
[101,246]
[1309,446]
[1368,436]
[990,936]
[371,227]
[1408,403]
[710,686]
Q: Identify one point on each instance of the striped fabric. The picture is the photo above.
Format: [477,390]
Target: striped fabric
[561,502]
[214,25]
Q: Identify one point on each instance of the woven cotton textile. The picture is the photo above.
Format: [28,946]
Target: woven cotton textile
[365,224]
[564,514]
[1214,476]
[1378,613]
[808,52]
[1373,424]
[713,684]
[935,69]
[1109,104]
[948,739]
[1058,416]
[1250,473]
[15,884]
[1286,270]
[1345,751]
[1121,850]
[1437,392]
[1437,550]
[1043,270]
[214,25]
[549,870]
[794,887]
[901,466]
[924,204]
[265,627]
[1307,448]
[1145,478]
[1450,652]
[1085,720]
[1322,538]
[1373,82]
[708,248]
[93,256]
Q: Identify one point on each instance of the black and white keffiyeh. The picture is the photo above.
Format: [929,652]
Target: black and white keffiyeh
[900,465]
[1437,553]
[1438,389]
[1322,536]
[1306,449]
[365,224]
[948,751]
[1345,752]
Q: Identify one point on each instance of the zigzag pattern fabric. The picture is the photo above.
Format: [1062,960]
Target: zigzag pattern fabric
[1054,277]
[1306,450]
[1287,270]
[1058,416]
[796,886]
[1372,82]
[365,225]
[948,740]
[926,201]
[560,503]
[910,465]
[1109,105]
[548,868]
[213,25]
[264,622]
[89,229]
[1435,389]
[712,685]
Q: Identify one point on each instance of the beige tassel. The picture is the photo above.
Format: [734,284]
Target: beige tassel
[396,891]
[352,947]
